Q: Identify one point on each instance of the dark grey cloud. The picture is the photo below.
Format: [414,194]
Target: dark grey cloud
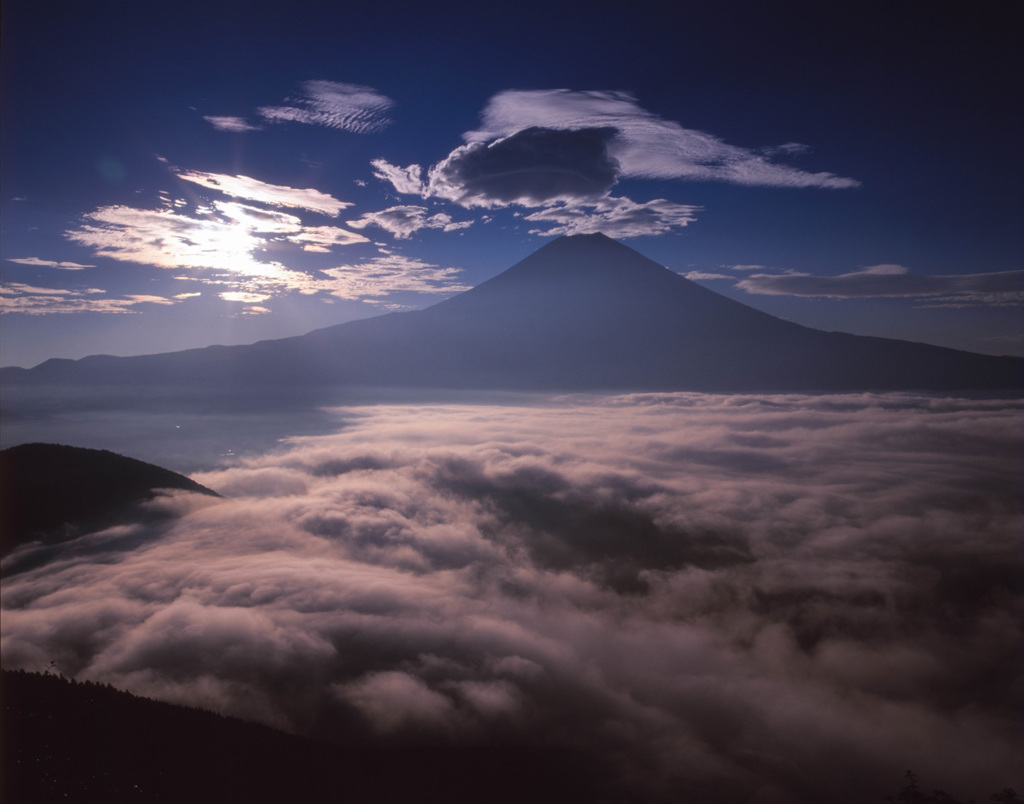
[535,166]
[763,598]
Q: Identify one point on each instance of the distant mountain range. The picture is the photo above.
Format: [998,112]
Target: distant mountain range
[583,313]
[53,493]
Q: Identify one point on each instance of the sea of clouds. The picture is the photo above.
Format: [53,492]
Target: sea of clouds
[772,598]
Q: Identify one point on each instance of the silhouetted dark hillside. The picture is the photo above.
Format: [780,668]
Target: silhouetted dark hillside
[55,492]
[84,743]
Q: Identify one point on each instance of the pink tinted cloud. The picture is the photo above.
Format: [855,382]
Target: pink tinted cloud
[720,596]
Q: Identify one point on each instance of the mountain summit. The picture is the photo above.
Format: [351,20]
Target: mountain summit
[581,313]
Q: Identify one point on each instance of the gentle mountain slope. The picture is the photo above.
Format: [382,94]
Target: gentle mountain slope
[55,492]
[581,313]
[87,742]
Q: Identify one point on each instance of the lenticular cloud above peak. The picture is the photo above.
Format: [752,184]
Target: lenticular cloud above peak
[562,152]
[646,145]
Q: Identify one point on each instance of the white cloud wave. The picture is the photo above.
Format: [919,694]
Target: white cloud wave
[782,598]
[880,281]
[404,221]
[389,274]
[347,107]
[41,263]
[274,195]
[229,123]
[614,217]
[30,300]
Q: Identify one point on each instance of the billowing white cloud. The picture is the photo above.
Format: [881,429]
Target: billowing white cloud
[614,217]
[272,194]
[41,263]
[403,221]
[167,238]
[408,180]
[225,238]
[347,107]
[1001,287]
[721,598]
[228,123]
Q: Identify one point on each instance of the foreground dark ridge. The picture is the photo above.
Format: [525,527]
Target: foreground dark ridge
[87,742]
[53,492]
[583,313]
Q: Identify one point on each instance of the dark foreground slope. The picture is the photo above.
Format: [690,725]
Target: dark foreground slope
[54,492]
[91,743]
[582,313]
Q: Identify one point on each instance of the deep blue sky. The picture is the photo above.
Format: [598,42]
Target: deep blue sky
[854,168]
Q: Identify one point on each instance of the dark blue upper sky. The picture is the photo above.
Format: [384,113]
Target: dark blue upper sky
[222,172]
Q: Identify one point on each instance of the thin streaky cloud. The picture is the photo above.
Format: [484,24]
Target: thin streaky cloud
[346,107]
[228,123]
[323,238]
[272,194]
[243,296]
[392,273]
[699,275]
[31,300]
[40,263]
[887,281]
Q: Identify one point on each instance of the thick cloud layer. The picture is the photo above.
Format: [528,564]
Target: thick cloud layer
[768,599]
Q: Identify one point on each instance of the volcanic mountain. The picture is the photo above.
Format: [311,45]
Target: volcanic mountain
[582,313]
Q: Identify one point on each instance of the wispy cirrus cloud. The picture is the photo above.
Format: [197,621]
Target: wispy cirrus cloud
[274,195]
[346,107]
[880,281]
[376,279]
[614,217]
[41,263]
[30,300]
[224,236]
[403,221]
[229,123]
